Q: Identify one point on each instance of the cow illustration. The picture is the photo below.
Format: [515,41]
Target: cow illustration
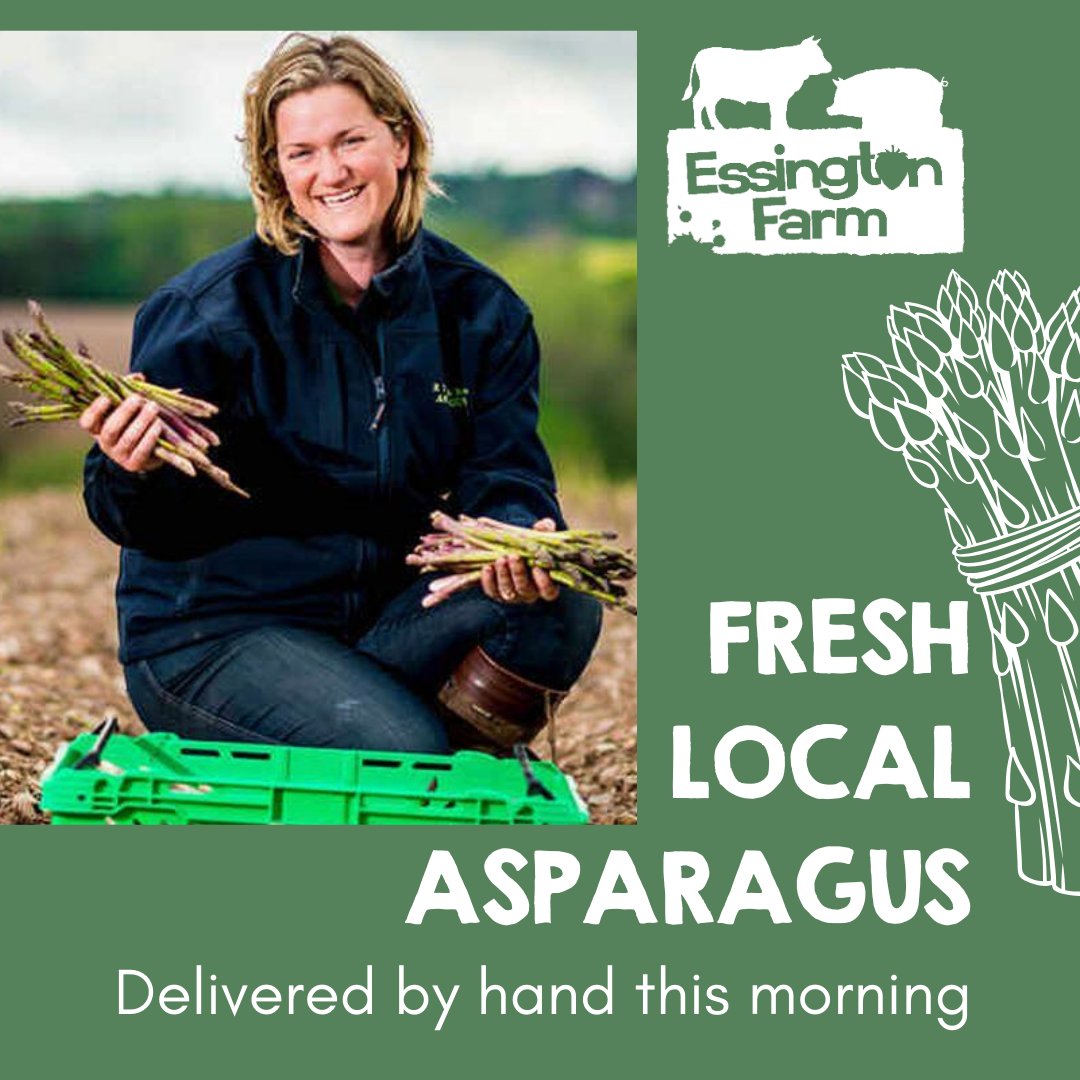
[768,76]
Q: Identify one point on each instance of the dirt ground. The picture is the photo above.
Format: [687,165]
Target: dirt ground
[59,675]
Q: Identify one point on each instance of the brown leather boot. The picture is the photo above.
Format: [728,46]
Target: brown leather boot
[489,708]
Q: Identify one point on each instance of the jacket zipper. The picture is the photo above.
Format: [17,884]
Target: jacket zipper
[380,402]
[378,425]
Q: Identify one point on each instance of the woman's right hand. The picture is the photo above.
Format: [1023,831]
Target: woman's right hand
[127,433]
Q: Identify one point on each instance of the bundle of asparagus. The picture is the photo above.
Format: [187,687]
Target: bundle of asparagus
[69,381]
[577,558]
[983,404]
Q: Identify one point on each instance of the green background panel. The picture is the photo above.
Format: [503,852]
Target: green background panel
[757,482]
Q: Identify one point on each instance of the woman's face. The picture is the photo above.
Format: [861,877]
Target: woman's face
[339,161]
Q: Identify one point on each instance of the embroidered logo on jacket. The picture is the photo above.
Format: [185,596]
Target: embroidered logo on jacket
[453,397]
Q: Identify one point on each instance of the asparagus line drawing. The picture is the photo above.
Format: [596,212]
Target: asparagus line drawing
[981,399]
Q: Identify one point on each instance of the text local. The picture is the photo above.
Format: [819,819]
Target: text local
[889,764]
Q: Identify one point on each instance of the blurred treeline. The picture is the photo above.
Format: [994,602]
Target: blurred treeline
[564,240]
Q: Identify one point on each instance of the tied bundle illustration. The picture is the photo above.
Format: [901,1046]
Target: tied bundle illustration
[982,401]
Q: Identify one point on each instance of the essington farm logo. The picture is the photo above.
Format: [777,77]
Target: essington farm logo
[891,182]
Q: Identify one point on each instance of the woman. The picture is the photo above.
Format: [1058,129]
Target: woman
[367,372]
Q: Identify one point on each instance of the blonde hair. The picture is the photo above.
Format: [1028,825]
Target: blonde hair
[303,62]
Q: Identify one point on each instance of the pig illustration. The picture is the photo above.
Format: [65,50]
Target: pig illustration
[769,76]
[890,100]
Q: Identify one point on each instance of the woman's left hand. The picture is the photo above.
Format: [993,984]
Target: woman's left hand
[509,580]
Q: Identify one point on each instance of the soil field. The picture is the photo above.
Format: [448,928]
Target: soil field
[104,329]
[58,670]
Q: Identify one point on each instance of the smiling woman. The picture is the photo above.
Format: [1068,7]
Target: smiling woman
[329,340]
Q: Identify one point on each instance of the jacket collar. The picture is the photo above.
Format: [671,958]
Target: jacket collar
[393,287]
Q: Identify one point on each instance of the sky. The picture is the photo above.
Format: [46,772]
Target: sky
[138,110]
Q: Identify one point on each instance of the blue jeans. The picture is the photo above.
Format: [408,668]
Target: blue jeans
[287,684]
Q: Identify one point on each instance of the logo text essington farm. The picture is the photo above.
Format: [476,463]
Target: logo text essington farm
[835,178]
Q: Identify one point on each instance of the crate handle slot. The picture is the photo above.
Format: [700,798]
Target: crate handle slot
[433,786]
[251,755]
[198,751]
[433,766]
[381,763]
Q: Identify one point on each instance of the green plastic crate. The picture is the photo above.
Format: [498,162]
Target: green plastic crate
[160,779]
